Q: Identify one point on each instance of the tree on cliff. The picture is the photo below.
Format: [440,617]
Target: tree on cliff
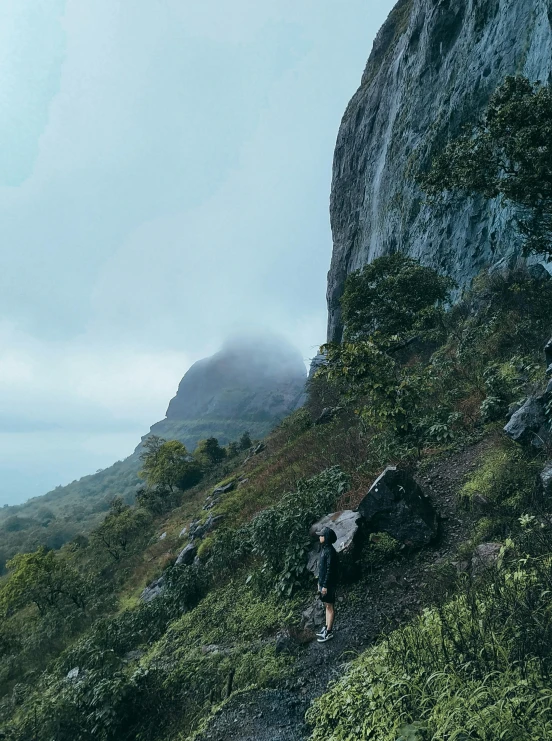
[245,441]
[386,306]
[167,465]
[121,530]
[209,453]
[507,155]
[42,578]
[392,301]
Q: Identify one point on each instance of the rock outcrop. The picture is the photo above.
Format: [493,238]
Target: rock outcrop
[250,385]
[433,68]
[528,426]
[346,527]
[154,590]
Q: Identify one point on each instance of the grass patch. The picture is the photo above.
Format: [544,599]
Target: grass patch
[477,668]
[505,479]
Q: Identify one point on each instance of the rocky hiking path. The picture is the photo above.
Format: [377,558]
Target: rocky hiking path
[380,601]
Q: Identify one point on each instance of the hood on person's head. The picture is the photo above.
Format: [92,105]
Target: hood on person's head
[329,536]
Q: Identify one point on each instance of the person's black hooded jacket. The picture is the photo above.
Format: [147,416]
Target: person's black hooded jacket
[328,565]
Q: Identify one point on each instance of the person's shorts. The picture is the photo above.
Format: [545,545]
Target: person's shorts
[329,597]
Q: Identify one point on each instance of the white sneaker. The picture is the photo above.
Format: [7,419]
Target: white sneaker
[328,635]
[321,633]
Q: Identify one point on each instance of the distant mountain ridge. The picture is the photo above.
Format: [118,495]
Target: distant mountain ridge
[250,385]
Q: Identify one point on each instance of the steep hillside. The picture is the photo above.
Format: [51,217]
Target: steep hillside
[250,385]
[432,69]
[199,622]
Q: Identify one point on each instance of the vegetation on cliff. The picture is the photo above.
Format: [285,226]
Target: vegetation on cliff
[506,154]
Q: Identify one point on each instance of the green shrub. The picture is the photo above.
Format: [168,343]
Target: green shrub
[393,299]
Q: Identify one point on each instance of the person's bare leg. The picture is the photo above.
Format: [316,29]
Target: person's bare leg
[330,616]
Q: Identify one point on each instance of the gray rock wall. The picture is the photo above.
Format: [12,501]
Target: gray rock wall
[433,67]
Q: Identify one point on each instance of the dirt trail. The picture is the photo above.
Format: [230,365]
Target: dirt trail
[383,600]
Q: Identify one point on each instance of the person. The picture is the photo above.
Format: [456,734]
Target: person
[328,571]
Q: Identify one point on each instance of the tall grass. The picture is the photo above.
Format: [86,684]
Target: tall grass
[477,668]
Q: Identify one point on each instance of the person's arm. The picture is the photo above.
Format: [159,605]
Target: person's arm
[323,572]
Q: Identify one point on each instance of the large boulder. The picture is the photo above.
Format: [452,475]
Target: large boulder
[397,505]
[346,527]
[528,425]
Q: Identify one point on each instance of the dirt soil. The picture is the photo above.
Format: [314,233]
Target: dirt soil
[381,601]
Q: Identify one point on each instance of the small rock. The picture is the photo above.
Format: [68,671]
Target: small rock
[73,675]
[485,556]
[210,649]
[197,531]
[480,500]
[186,556]
[153,590]
[162,536]
[327,414]
[548,354]
[314,616]
[546,479]
[220,490]
[285,643]
[135,655]
[461,566]
[183,532]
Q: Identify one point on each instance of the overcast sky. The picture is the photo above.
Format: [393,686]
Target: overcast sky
[164,179]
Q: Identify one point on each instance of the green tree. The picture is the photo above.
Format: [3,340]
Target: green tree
[209,453]
[386,305]
[42,578]
[245,441]
[121,529]
[393,300]
[507,154]
[167,465]
[232,450]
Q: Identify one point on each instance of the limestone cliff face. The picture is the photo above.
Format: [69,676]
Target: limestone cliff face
[433,67]
[251,384]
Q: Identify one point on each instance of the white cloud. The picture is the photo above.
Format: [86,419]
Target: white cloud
[84,386]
